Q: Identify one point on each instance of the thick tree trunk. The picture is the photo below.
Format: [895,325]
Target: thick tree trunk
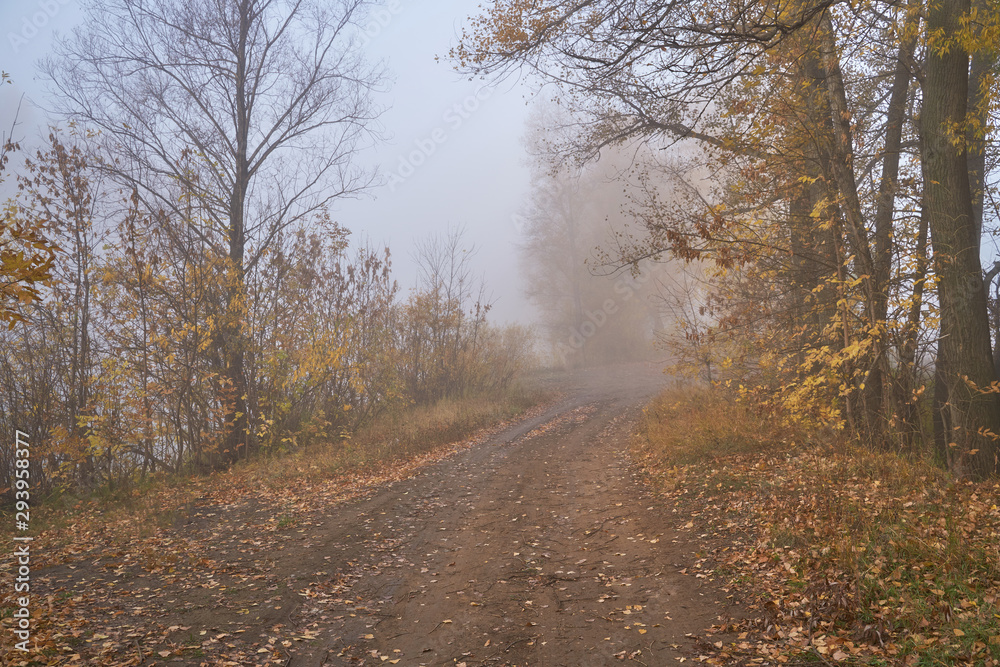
[983,62]
[965,340]
[976,156]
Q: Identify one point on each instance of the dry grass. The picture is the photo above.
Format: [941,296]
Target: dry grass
[394,437]
[390,447]
[696,425]
[848,556]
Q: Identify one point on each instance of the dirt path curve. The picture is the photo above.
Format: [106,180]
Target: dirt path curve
[537,547]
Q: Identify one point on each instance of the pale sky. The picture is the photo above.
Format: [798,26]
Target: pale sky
[452,156]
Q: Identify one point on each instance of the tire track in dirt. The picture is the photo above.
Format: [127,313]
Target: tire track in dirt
[537,547]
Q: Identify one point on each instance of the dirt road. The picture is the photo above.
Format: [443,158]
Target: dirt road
[537,547]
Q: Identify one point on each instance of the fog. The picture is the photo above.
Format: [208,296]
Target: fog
[450,156]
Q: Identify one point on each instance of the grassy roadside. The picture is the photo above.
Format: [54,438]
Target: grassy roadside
[844,556]
[392,446]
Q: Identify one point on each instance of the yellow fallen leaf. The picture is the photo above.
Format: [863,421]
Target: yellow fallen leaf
[641,631]
[369,636]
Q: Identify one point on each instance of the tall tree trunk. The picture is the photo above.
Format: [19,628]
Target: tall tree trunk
[806,270]
[836,148]
[983,62]
[840,166]
[965,339]
[907,402]
[237,440]
[884,213]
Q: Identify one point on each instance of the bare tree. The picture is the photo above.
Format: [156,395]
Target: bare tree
[446,315]
[249,110]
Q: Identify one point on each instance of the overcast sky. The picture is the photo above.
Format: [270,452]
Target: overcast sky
[452,156]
